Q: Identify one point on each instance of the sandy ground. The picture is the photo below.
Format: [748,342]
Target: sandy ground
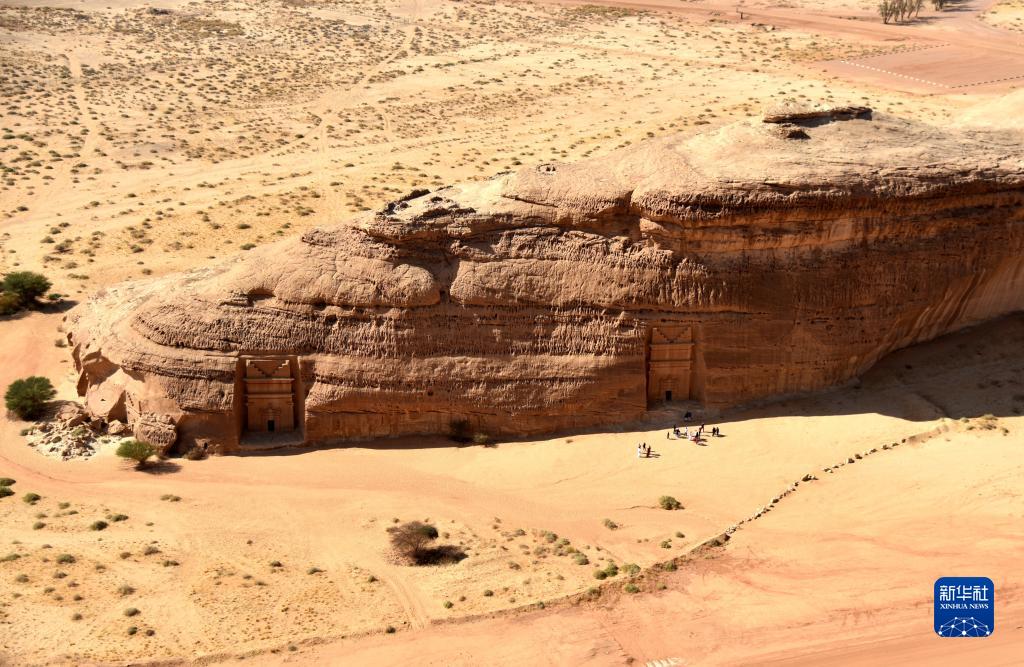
[137,143]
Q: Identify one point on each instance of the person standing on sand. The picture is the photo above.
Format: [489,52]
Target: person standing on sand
[639,450]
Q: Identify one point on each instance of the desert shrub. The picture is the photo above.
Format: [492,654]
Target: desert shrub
[581,559]
[412,539]
[21,578]
[117,517]
[7,481]
[669,566]
[669,503]
[448,604]
[611,570]
[27,398]
[171,498]
[26,286]
[631,569]
[9,304]
[631,588]
[314,570]
[390,629]
[76,617]
[10,557]
[600,574]
[65,559]
[610,525]
[125,590]
[133,630]
[38,525]
[98,525]
[131,611]
[666,544]
[31,498]
[136,450]
[195,454]
[488,593]
[6,491]
[481,439]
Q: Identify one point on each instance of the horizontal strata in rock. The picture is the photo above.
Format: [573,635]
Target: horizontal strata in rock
[724,267]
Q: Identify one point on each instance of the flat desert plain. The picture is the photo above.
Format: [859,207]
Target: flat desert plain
[143,138]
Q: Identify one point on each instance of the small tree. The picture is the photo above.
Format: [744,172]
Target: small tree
[137,451]
[411,539]
[26,286]
[28,397]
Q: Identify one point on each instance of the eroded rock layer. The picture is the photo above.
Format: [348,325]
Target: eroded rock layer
[755,260]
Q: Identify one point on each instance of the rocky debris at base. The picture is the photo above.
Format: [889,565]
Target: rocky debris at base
[74,434]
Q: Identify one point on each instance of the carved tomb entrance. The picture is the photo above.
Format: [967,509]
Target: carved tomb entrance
[670,364]
[270,395]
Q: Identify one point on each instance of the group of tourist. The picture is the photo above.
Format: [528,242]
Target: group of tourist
[696,436]
[643,450]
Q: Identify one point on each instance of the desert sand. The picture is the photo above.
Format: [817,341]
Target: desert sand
[140,143]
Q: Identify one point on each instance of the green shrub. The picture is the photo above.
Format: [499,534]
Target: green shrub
[131,611]
[390,629]
[38,525]
[98,525]
[610,525]
[31,498]
[7,481]
[481,438]
[669,566]
[669,503]
[448,604]
[600,574]
[9,304]
[488,593]
[117,517]
[581,559]
[27,398]
[26,286]
[632,569]
[631,588]
[137,451]
[65,559]
[6,491]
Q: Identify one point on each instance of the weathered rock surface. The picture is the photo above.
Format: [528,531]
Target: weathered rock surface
[725,267]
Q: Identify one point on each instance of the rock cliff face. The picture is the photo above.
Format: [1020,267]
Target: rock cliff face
[763,258]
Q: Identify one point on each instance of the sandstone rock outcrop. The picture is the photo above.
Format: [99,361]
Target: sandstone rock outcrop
[720,268]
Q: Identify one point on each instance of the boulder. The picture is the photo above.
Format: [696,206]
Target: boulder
[158,430]
[717,268]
